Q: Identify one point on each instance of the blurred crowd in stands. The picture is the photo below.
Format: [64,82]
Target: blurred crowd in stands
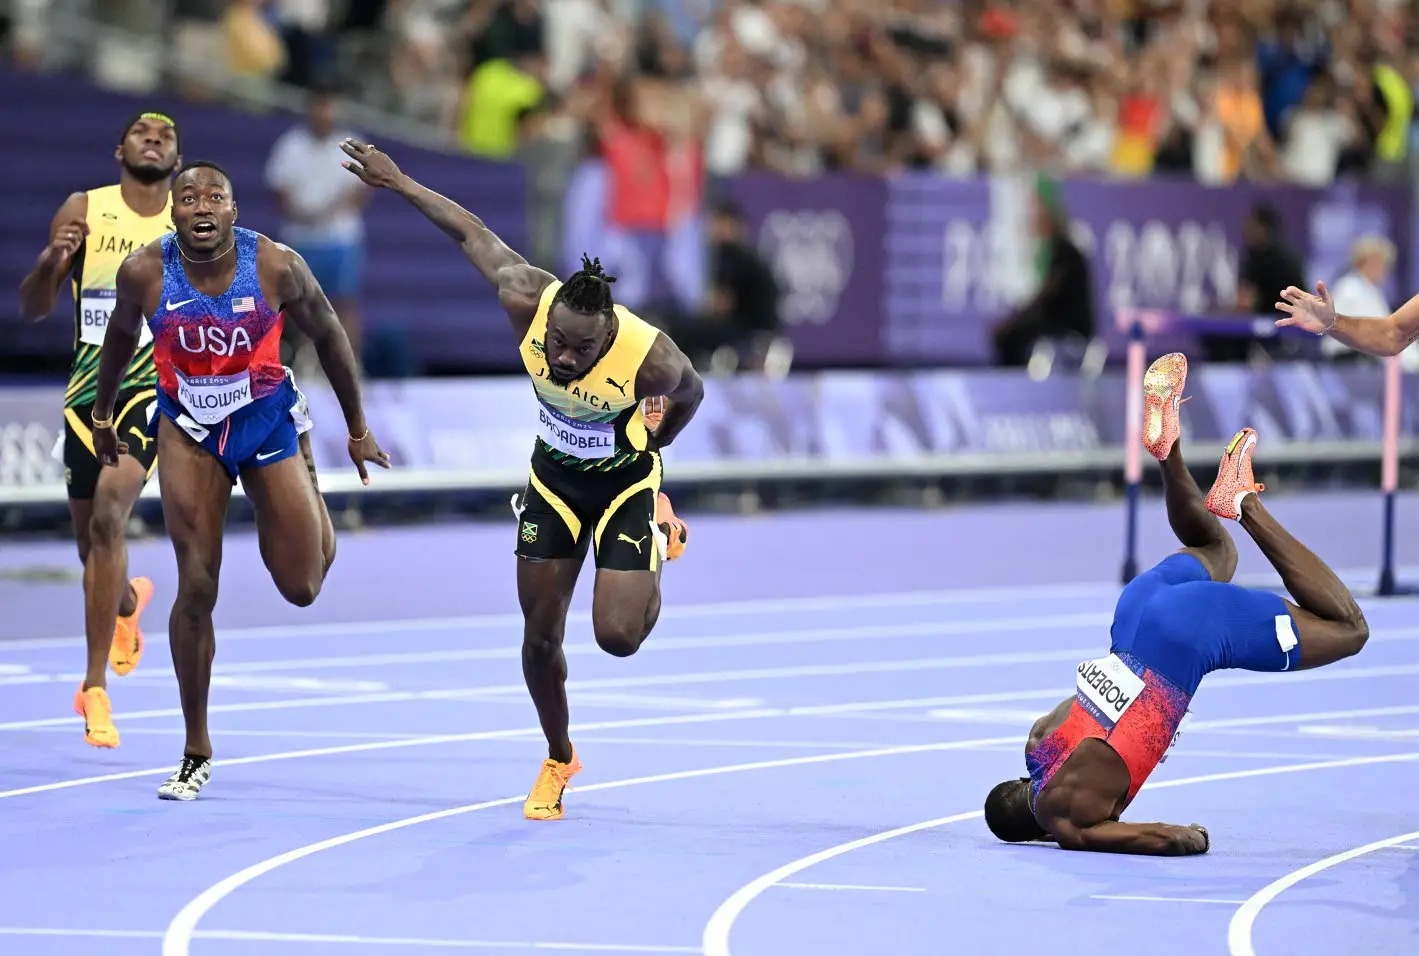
[676,95]
[1286,90]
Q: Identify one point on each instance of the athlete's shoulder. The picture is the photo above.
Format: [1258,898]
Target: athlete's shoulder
[104,203]
[144,265]
[268,250]
[283,271]
[656,342]
[664,367]
[101,193]
[273,257]
[75,207]
[545,295]
[633,327]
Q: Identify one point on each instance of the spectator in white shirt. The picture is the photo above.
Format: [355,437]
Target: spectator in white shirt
[1316,134]
[1360,292]
[321,211]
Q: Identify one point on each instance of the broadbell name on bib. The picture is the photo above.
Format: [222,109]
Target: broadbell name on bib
[212,398]
[579,439]
[1106,688]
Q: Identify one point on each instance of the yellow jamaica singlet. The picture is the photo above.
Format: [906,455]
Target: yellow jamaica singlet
[115,230]
[593,424]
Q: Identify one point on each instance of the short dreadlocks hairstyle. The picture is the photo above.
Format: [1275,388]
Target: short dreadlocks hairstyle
[588,291]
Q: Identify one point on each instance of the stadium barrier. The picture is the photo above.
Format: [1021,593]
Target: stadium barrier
[476,434]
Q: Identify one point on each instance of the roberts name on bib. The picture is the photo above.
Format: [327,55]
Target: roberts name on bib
[1106,688]
[211,398]
[95,306]
[589,440]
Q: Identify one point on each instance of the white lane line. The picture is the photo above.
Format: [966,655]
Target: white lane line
[512,650]
[715,939]
[1357,733]
[1055,694]
[672,612]
[865,888]
[257,936]
[1165,899]
[575,686]
[827,603]
[829,710]
[1239,930]
[389,745]
[180,931]
[316,734]
[231,673]
[746,743]
[1072,655]
[498,690]
[1233,722]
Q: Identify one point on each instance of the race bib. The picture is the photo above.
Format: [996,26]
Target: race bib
[590,440]
[211,398]
[95,306]
[1106,688]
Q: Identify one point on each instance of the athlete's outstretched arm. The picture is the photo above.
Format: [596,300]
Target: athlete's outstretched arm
[304,301]
[1141,839]
[40,289]
[519,284]
[668,371]
[140,269]
[1316,313]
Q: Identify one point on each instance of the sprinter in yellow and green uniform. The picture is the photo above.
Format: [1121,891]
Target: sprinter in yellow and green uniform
[90,236]
[611,391]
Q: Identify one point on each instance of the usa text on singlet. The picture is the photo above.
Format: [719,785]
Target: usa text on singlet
[216,354]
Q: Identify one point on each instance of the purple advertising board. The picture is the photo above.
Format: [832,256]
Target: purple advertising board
[947,272]
[823,238]
[1179,245]
[917,269]
[956,251]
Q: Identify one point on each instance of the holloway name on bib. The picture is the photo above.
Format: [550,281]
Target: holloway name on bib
[1106,688]
[589,440]
[95,306]
[211,398]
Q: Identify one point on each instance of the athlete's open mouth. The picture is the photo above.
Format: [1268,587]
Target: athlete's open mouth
[203,229]
[153,155]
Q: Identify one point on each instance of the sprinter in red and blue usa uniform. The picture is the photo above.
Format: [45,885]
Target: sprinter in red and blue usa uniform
[215,297]
[1173,625]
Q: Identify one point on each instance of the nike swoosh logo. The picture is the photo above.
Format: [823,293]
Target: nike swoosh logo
[269,454]
[177,305]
